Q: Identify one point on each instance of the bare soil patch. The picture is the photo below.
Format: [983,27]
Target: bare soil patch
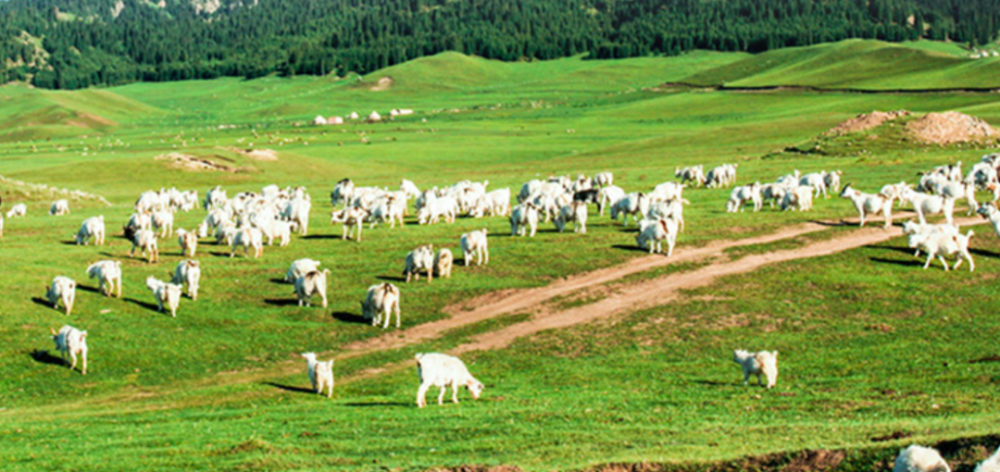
[866,121]
[950,128]
[383,84]
[189,162]
[258,154]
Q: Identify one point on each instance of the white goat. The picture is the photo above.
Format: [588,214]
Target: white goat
[188,273]
[18,211]
[799,198]
[920,459]
[145,240]
[577,213]
[869,204]
[380,302]
[92,227]
[992,464]
[653,233]
[524,217]
[942,246]
[475,244]
[351,218]
[248,237]
[108,275]
[301,267]
[164,221]
[816,180]
[59,208]
[320,374]
[443,371]
[743,194]
[165,294]
[925,204]
[420,259]
[757,363]
[635,204]
[608,196]
[310,284]
[62,289]
[603,179]
[73,342]
[443,262]
[188,241]
[694,174]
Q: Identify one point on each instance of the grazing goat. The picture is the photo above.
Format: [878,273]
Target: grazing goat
[832,180]
[443,371]
[757,363]
[108,275]
[320,374]
[608,196]
[165,294]
[798,198]
[92,227]
[603,179]
[73,342]
[443,262]
[920,459]
[342,193]
[301,267]
[18,211]
[248,237]
[925,204]
[653,233]
[62,289]
[523,218]
[352,218]
[743,194]
[942,246]
[164,221]
[146,240]
[576,212]
[421,258]
[380,302]
[816,180]
[990,212]
[634,204]
[869,204]
[310,284]
[955,190]
[188,241]
[773,193]
[694,175]
[188,273]
[59,208]
[475,244]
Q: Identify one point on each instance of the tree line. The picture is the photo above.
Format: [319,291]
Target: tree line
[70,44]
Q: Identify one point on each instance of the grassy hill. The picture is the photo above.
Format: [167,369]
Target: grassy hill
[856,64]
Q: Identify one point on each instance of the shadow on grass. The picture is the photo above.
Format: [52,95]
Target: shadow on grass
[629,247]
[349,317]
[222,254]
[322,236]
[279,281]
[289,388]
[379,404]
[984,253]
[391,278]
[88,289]
[904,250]
[146,305]
[717,383]
[43,302]
[910,263]
[281,301]
[44,357]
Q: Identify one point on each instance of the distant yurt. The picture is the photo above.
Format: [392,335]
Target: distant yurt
[319,120]
[374,116]
[353,116]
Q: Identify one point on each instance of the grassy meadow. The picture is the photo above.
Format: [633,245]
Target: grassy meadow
[871,346]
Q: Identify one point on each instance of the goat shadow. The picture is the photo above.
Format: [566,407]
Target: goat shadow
[983,252]
[716,383]
[322,236]
[86,288]
[280,281]
[349,317]
[629,247]
[289,388]
[377,404]
[146,305]
[391,278]
[44,357]
[223,254]
[43,302]
[909,263]
[904,250]
[281,301]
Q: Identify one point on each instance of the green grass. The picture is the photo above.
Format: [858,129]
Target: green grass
[856,64]
[219,387]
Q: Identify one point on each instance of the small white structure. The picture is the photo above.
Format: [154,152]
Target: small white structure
[319,120]
[320,374]
[374,116]
[442,370]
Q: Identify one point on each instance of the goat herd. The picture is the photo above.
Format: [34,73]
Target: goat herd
[247,219]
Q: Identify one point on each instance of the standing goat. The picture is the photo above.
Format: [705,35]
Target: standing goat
[320,374]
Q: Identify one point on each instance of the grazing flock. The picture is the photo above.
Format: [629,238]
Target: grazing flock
[249,220]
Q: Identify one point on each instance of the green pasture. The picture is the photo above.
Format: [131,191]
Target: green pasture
[870,344]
